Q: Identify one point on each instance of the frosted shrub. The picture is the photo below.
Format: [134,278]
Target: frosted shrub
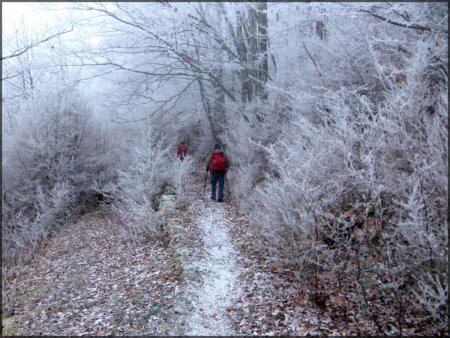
[302,189]
[385,163]
[432,293]
[140,184]
[181,171]
[18,235]
[240,178]
[23,234]
[245,165]
[55,206]
[140,220]
[46,164]
[415,158]
[249,127]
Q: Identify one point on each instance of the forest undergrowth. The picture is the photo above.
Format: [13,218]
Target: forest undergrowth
[91,279]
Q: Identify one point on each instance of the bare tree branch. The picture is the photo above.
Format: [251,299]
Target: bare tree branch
[34,44]
[396,23]
[314,62]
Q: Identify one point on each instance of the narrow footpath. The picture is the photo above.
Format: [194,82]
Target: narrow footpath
[230,286]
[218,285]
[209,268]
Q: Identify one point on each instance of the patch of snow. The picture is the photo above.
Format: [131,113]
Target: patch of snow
[219,270]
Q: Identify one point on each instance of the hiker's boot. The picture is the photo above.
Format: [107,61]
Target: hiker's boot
[213,198]
[220,200]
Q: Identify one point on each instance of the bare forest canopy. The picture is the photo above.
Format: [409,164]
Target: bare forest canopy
[334,116]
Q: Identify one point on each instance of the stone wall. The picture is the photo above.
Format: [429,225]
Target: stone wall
[174,232]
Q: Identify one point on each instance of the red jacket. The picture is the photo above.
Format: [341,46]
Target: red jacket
[209,159]
[182,150]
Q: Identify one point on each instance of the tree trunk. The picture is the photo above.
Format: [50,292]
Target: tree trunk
[242,53]
[219,96]
[263,47]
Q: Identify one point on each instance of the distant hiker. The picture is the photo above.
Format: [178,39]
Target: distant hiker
[217,164]
[182,151]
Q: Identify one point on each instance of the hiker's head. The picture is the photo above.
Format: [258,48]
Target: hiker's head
[217,146]
[181,142]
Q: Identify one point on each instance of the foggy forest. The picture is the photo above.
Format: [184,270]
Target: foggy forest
[333,117]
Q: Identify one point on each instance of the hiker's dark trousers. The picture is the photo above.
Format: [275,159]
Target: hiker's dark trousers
[217,177]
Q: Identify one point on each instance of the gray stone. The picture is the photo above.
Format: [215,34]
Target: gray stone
[169,190]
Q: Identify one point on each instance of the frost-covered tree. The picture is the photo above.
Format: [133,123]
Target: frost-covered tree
[140,183]
[360,163]
[47,163]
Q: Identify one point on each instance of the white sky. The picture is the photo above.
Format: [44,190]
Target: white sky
[37,16]
[14,12]
[41,19]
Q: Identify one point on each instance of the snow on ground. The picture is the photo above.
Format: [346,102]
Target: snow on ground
[219,286]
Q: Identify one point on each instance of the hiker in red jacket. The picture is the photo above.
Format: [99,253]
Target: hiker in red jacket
[182,151]
[217,164]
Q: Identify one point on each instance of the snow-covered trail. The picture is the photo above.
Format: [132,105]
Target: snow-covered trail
[219,284]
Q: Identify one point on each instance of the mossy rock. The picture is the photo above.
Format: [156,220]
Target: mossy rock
[178,240]
[174,227]
[183,252]
[165,199]
[168,190]
[178,268]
